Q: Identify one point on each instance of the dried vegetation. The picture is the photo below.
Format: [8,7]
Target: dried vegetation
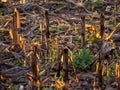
[59,45]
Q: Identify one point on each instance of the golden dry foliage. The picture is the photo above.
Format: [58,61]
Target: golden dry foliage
[37,71]
[58,84]
[104,67]
[11,33]
[14,25]
[23,1]
[4,1]
[112,32]
[117,73]
[7,22]
[22,42]
[90,28]
[76,79]
[35,76]
[117,70]
[35,68]
[4,82]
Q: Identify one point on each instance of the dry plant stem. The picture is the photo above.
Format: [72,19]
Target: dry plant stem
[83,32]
[59,63]
[41,29]
[100,79]
[47,24]
[107,73]
[47,32]
[65,68]
[117,76]
[117,6]
[35,69]
[102,28]
[15,30]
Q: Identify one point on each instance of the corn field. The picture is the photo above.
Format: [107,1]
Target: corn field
[59,45]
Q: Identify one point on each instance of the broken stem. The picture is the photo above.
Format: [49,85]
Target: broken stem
[65,68]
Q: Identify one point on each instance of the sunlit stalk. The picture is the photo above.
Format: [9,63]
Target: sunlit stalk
[107,71]
[35,69]
[103,70]
[97,67]
[94,84]
[15,24]
[41,29]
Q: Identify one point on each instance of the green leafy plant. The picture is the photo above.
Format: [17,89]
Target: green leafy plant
[80,60]
[95,40]
[96,4]
[54,29]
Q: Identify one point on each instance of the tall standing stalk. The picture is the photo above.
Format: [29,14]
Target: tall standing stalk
[65,68]
[100,79]
[83,31]
[15,30]
[47,32]
[15,24]
[47,24]
[102,27]
[59,62]
[35,69]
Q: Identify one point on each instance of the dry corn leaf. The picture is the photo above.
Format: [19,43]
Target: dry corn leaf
[76,79]
[7,22]
[110,35]
[11,33]
[90,27]
[112,32]
[59,84]
[30,77]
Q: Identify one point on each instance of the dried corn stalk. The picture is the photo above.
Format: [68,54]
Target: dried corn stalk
[35,70]
[15,24]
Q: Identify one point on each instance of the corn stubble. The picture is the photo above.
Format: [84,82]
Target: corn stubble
[102,66]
